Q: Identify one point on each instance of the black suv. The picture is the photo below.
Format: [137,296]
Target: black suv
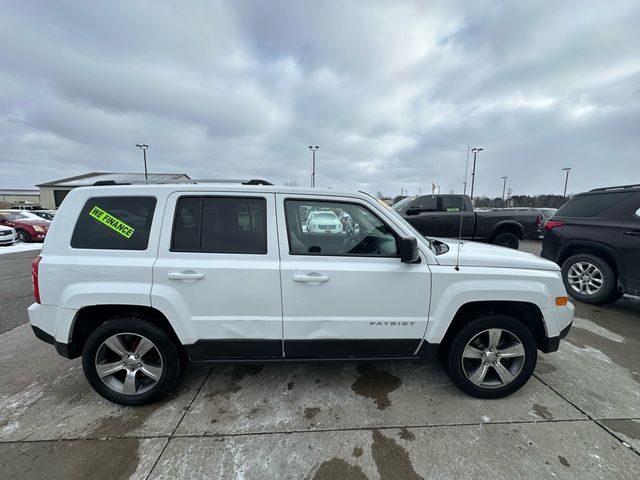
[595,238]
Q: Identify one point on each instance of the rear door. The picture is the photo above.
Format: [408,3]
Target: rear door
[627,244]
[218,273]
[346,293]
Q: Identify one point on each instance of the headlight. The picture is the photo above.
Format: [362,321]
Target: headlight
[38,228]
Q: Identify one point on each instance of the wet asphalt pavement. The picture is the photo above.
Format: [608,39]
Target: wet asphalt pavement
[578,417]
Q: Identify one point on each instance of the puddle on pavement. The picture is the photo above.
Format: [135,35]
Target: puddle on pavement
[542,411]
[405,434]
[311,412]
[629,428]
[338,469]
[392,460]
[375,384]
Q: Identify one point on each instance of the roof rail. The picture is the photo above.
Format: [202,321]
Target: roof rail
[618,187]
[254,181]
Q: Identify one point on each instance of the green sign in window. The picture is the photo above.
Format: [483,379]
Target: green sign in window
[110,221]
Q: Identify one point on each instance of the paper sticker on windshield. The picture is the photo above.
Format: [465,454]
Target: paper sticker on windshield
[110,221]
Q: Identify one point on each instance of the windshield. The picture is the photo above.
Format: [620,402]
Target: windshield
[402,203]
[14,216]
[324,215]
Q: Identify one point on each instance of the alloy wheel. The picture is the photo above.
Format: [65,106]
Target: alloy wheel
[493,358]
[585,278]
[129,363]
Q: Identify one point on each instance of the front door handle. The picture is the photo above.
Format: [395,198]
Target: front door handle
[311,278]
[633,233]
[188,275]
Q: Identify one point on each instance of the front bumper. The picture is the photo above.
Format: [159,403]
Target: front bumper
[551,344]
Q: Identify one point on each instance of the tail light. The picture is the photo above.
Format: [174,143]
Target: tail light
[552,224]
[34,277]
[538,220]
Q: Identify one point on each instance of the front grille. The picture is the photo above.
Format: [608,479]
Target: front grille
[327,227]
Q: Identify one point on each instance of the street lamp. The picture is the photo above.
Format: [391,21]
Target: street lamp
[566,180]
[504,187]
[475,151]
[313,167]
[144,147]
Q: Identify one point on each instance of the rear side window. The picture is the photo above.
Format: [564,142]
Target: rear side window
[591,205]
[114,223]
[220,225]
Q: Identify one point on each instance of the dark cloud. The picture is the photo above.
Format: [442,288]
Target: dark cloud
[393,92]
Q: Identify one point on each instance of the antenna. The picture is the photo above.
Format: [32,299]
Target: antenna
[466,171]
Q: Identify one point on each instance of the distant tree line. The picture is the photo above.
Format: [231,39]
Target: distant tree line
[540,201]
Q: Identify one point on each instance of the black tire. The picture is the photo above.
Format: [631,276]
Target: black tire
[609,287]
[456,365]
[506,239]
[23,236]
[137,327]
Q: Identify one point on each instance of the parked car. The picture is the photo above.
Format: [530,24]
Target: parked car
[27,229]
[441,215]
[44,214]
[324,221]
[595,237]
[25,206]
[7,235]
[197,278]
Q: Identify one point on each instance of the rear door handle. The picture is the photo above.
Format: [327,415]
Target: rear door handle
[185,275]
[311,278]
[633,233]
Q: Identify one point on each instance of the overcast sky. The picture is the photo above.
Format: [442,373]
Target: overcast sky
[392,92]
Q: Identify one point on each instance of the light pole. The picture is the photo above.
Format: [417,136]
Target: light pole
[566,180]
[466,168]
[475,151]
[313,165]
[144,147]
[504,187]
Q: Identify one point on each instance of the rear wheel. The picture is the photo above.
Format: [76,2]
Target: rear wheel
[506,239]
[589,279]
[23,236]
[130,361]
[492,357]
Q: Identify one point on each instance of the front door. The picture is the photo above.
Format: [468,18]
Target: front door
[218,276]
[345,292]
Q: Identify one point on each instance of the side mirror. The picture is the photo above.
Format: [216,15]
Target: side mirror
[409,252]
[413,211]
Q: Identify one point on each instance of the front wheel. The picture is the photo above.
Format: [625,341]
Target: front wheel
[23,236]
[506,239]
[130,361]
[492,357]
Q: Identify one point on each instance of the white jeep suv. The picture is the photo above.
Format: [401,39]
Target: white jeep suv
[140,279]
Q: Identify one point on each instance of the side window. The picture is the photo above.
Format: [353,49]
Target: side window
[114,223]
[426,203]
[591,205]
[337,229]
[220,225]
[452,204]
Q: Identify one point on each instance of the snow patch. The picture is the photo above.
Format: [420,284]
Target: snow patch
[20,247]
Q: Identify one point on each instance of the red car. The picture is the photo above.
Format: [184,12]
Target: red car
[27,228]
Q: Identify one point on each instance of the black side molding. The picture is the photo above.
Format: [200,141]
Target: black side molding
[350,348]
[229,349]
